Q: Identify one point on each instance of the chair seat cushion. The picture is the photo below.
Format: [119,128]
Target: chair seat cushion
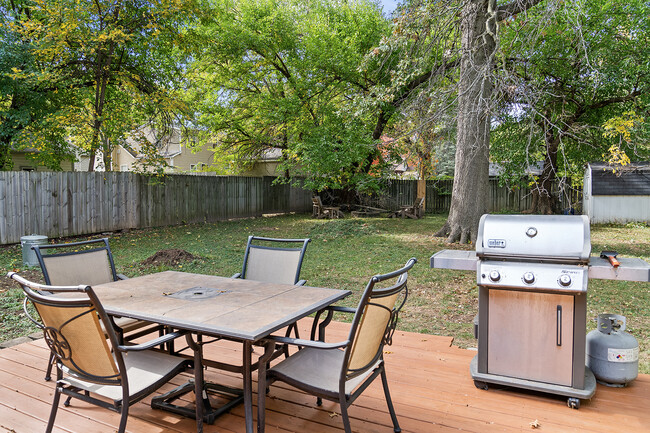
[318,369]
[144,369]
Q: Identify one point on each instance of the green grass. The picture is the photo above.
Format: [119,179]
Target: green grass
[344,254]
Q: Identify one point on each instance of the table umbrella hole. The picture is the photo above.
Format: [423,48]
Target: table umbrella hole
[197,293]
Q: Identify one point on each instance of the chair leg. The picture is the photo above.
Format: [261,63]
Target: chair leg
[124,417]
[345,417]
[55,406]
[50,363]
[389,402]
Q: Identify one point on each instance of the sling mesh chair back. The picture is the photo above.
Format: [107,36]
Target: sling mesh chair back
[342,371]
[89,364]
[88,263]
[273,260]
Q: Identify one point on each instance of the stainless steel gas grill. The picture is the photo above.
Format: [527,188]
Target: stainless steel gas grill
[532,273]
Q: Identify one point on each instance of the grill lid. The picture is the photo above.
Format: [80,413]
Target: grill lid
[556,238]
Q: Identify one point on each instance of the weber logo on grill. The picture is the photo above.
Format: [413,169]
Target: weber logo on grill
[496,243]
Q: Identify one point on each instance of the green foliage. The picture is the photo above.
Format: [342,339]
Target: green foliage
[101,69]
[415,89]
[571,70]
[335,154]
[26,104]
[281,74]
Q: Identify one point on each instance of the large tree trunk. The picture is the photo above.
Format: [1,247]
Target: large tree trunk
[544,202]
[470,189]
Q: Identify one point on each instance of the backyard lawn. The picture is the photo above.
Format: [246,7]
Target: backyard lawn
[344,254]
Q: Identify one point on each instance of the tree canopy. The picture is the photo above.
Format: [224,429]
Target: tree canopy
[88,73]
[323,80]
[283,74]
[567,74]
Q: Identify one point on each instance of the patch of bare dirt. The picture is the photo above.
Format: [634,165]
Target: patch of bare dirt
[34,275]
[170,257]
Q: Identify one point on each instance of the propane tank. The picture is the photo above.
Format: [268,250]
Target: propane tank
[612,353]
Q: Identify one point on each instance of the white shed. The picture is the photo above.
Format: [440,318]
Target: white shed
[617,194]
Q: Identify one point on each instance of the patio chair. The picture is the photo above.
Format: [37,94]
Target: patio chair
[274,260]
[89,263]
[320,211]
[415,211]
[91,367]
[340,372]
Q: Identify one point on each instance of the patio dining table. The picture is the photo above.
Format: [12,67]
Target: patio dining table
[237,309]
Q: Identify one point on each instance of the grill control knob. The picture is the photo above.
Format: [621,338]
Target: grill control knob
[565,280]
[531,232]
[494,276]
[529,278]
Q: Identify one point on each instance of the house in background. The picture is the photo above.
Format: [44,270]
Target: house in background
[266,165]
[615,194]
[23,163]
[174,148]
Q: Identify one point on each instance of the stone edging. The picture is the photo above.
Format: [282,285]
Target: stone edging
[21,340]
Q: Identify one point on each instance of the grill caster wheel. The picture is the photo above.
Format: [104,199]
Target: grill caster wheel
[481,385]
[573,403]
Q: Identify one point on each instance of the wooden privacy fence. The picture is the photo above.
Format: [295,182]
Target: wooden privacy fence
[58,204]
[438,197]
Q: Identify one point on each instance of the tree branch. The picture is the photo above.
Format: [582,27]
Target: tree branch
[514,8]
[383,117]
[601,104]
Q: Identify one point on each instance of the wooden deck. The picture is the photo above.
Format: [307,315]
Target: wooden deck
[430,384]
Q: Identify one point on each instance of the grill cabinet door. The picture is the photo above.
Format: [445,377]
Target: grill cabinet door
[531,336]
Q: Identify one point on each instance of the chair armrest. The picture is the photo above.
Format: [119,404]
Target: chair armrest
[237,275]
[320,327]
[341,309]
[152,343]
[307,343]
[122,277]
[29,314]
[301,283]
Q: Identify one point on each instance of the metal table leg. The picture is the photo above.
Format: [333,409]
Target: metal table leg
[204,412]
[269,350]
[198,381]
[248,386]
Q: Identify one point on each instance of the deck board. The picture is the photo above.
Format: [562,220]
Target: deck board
[429,380]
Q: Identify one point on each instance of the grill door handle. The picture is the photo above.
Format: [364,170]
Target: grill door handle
[558,332]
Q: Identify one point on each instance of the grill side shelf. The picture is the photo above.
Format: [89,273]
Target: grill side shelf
[460,260]
[631,268]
